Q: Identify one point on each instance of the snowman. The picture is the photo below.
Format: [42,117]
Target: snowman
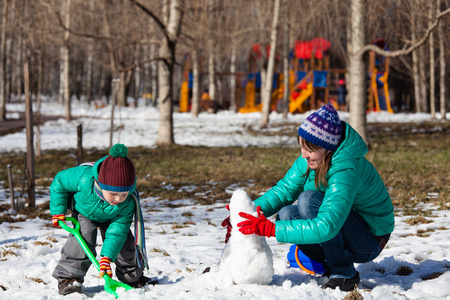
[246,259]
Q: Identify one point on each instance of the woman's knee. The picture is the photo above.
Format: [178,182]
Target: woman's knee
[309,203]
[288,213]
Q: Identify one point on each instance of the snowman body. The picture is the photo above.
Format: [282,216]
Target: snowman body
[246,258]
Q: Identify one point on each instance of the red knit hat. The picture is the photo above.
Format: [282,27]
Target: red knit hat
[117,172]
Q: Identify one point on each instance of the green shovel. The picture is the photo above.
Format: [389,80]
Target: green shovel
[110,284]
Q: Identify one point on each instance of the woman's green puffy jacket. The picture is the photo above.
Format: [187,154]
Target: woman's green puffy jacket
[353,183]
[79,182]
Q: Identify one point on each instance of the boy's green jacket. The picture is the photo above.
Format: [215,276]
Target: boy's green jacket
[353,183]
[79,181]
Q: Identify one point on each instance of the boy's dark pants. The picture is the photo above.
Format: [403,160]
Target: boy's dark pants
[74,263]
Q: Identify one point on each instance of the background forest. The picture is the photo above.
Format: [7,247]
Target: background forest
[90,50]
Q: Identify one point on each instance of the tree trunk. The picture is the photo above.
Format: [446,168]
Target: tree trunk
[166,68]
[267,92]
[65,83]
[233,106]
[432,79]
[39,101]
[137,78]
[30,146]
[286,49]
[196,82]
[211,76]
[90,48]
[114,83]
[3,63]
[415,70]
[442,87]
[9,51]
[154,74]
[120,91]
[165,71]
[88,78]
[17,81]
[357,73]
[422,82]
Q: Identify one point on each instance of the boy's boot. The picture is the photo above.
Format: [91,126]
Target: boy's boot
[69,286]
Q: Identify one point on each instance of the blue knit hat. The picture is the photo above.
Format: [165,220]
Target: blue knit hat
[322,128]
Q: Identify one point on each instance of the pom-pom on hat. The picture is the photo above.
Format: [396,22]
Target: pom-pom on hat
[322,128]
[117,172]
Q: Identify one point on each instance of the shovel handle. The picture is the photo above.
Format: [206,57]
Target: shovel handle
[110,284]
[76,232]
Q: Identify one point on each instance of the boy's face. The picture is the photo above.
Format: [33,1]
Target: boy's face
[114,198]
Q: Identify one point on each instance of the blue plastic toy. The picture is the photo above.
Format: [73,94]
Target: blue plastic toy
[297,259]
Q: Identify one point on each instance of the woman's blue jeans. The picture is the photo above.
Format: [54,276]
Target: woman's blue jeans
[354,243]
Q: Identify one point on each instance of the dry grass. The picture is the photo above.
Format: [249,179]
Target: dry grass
[418,220]
[412,159]
[354,295]
[403,271]
[159,250]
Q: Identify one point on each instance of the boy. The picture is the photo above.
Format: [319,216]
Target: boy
[100,195]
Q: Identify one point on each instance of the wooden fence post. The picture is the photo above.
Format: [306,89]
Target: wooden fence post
[79,144]
[30,145]
[11,187]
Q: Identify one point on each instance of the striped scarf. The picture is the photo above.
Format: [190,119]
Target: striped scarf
[139,230]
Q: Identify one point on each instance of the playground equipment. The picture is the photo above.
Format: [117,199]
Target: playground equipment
[253,91]
[186,85]
[378,91]
[253,84]
[309,81]
[297,259]
[312,71]
[301,92]
[206,103]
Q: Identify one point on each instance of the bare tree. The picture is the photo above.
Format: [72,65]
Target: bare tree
[64,81]
[3,71]
[356,68]
[432,61]
[171,31]
[442,64]
[267,92]
[286,48]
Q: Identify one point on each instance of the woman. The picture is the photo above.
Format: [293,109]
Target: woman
[344,213]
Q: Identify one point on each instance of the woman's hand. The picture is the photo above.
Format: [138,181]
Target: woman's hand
[256,225]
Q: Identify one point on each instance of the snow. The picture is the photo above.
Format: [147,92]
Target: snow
[29,249]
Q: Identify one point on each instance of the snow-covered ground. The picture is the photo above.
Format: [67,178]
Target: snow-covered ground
[178,255]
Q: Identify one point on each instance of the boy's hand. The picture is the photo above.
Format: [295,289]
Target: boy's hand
[57,218]
[105,266]
[256,225]
[226,223]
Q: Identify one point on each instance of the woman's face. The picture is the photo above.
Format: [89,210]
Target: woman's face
[114,198]
[313,158]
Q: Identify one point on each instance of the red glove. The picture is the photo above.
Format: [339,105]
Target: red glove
[226,223]
[105,266]
[256,225]
[57,218]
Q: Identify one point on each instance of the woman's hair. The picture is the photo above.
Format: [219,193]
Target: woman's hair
[324,165]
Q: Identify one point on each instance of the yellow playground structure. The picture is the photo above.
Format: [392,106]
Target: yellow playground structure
[378,91]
